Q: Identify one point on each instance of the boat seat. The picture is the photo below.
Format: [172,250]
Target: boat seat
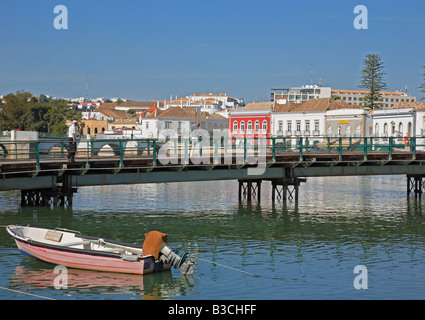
[75,243]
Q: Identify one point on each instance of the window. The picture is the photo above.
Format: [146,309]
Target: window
[167,124]
[385,129]
[298,126]
[377,130]
[348,131]
[307,126]
[249,127]
[147,125]
[280,126]
[235,126]
[316,126]
[289,126]
[257,126]
[242,126]
[264,126]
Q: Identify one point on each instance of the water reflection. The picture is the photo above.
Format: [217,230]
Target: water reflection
[301,250]
[155,286]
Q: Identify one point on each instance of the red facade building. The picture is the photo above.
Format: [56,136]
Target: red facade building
[251,121]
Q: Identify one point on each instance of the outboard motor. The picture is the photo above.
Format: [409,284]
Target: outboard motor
[156,244]
[172,257]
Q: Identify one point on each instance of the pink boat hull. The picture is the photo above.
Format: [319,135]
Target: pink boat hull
[81,260]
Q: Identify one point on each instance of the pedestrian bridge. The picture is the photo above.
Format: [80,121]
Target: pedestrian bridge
[49,146]
[40,170]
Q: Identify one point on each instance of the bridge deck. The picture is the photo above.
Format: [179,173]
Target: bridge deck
[16,167]
[28,168]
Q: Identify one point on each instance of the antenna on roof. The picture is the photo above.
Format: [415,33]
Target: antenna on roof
[87,87]
[311,72]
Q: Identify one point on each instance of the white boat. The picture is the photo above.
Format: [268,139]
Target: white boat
[71,249]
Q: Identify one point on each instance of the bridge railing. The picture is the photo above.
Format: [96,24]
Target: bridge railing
[206,150]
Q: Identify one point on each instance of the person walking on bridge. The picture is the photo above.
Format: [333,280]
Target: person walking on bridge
[196,140]
[72,139]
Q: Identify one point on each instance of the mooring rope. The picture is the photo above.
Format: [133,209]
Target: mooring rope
[222,265]
[27,293]
[242,271]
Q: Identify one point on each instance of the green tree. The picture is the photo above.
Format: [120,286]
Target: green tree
[14,109]
[372,79]
[24,111]
[57,115]
[422,86]
[34,118]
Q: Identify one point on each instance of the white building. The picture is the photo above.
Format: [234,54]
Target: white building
[226,102]
[203,105]
[319,117]
[300,94]
[401,119]
[211,103]
[388,100]
[181,120]
[352,97]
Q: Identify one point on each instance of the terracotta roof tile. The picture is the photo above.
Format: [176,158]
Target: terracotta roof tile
[414,105]
[107,106]
[259,105]
[116,114]
[140,104]
[321,104]
[183,113]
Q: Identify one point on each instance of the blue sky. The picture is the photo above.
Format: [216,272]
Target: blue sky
[145,50]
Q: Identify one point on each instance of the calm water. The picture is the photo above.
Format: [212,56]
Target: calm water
[304,251]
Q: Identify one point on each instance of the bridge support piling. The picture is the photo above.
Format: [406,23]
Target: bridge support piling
[60,196]
[415,184]
[249,190]
[283,189]
[286,188]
